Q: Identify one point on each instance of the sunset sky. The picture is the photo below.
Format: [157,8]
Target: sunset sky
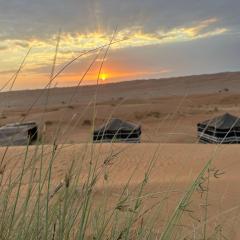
[160,39]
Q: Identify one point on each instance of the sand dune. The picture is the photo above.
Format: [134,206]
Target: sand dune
[175,167]
[139,89]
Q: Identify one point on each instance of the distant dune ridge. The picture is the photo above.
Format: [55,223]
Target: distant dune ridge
[142,89]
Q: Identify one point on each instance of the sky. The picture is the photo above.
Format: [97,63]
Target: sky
[149,39]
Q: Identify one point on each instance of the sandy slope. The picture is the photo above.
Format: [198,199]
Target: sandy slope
[138,89]
[175,167]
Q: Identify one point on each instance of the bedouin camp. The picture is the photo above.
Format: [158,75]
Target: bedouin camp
[221,129]
[116,130]
[18,133]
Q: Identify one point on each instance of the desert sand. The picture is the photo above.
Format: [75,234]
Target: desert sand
[175,167]
[167,109]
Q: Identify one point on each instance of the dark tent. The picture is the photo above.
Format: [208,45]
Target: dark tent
[221,129]
[117,130]
[18,133]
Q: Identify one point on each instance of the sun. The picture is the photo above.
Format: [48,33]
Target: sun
[103,76]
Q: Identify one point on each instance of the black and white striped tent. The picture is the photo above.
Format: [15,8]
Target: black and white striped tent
[18,134]
[221,129]
[117,130]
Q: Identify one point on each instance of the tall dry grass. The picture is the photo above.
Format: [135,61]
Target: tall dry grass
[33,206]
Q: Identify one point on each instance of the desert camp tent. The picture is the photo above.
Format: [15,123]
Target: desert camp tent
[116,130]
[18,133]
[221,129]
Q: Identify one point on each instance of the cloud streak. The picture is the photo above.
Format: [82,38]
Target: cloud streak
[71,44]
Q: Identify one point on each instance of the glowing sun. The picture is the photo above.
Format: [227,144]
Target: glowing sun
[103,76]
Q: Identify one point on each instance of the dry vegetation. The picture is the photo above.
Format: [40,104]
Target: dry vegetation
[59,189]
[119,191]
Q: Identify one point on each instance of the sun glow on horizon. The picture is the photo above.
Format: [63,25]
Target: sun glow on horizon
[39,61]
[103,76]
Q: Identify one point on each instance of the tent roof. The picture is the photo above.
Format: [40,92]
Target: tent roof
[225,121]
[23,124]
[116,124]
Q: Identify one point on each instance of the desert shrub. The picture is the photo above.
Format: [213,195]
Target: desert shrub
[139,115]
[154,114]
[3,116]
[87,122]
[70,106]
[142,115]
[23,114]
[52,109]
[49,122]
